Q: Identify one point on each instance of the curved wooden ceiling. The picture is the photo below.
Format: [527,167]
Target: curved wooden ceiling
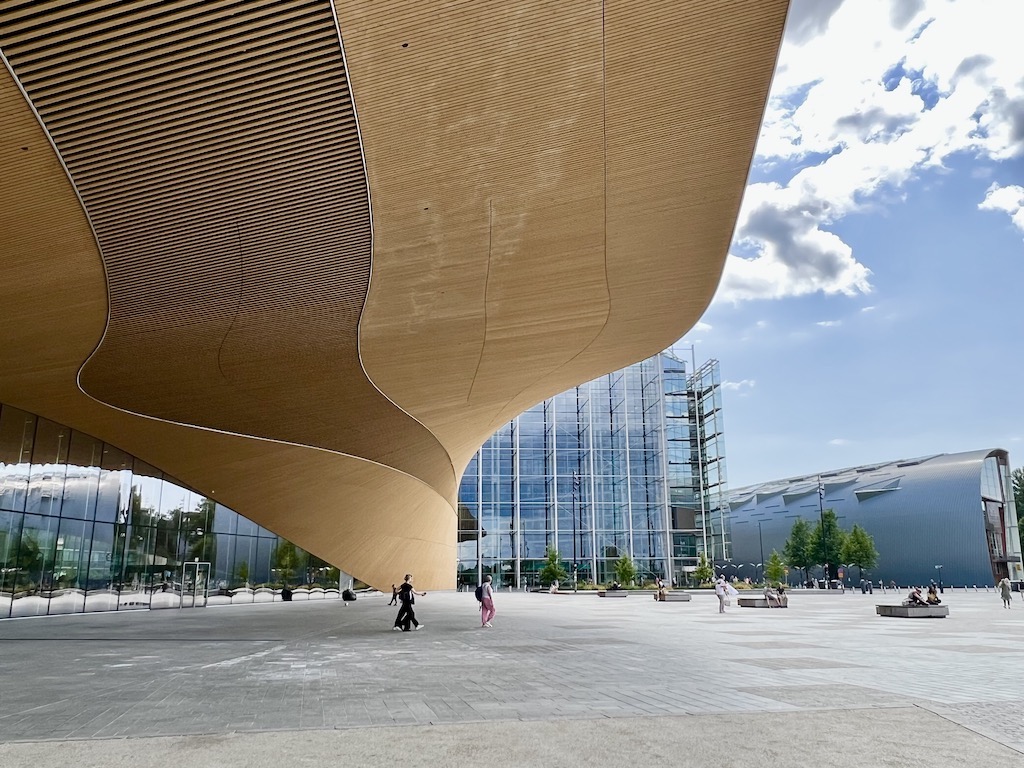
[318,319]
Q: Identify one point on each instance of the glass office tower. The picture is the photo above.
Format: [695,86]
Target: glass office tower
[85,526]
[631,463]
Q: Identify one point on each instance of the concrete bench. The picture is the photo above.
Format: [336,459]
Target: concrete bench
[755,602]
[676,597]
[612,593]
[913,611]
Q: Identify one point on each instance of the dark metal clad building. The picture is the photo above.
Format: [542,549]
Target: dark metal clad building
[950,510]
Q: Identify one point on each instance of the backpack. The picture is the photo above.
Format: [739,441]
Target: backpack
[480,593]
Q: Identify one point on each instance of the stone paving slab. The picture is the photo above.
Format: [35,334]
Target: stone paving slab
[324,667]
[822,739]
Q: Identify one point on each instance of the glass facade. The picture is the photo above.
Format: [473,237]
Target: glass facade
[85,526]
[631,463]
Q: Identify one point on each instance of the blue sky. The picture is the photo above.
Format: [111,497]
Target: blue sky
[871,307]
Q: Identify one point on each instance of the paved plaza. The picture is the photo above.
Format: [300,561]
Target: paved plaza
[560,680]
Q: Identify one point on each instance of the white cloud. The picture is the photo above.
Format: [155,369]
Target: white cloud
[839,441]
[829,323]
[736,386]
[866,95]
[1009,199]
[867,309]
[702,327]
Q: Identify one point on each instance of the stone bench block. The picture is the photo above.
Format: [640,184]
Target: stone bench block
[612,593]
[677,597]
[913,611]
[755,602]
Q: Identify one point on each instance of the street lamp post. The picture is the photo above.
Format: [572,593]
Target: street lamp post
[939,569]
[821,517]
[575,487]
[760,540]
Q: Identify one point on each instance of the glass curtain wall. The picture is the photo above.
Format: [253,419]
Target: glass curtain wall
[606,469]
[85,526]
[1001,530]
[706,395]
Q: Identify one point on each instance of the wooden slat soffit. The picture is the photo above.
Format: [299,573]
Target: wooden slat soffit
[339,269]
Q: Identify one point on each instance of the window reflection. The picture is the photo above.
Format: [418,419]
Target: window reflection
[85,526]
[17,430]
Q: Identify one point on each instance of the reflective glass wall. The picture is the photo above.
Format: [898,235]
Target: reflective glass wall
[616,466]
[85,526]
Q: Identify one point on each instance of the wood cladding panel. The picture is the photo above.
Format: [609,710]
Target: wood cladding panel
[373,521]
[567,207]
[553,190]
[232,214]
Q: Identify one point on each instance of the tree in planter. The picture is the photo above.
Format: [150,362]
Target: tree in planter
[243,573]
[827,542]
[625,570]
[775,570]
[797,551]
[552,570]
[859,549]
[704,573]
[286,558]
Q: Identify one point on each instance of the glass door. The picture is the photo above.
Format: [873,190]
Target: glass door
[195,584]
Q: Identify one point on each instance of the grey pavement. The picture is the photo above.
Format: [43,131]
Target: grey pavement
[566,679]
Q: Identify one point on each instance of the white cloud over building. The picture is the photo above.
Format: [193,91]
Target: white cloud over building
[868,95]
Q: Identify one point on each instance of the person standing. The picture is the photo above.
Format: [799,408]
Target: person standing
[486,602]
[723,590]
[1005,591]
[394,595]
[407,613]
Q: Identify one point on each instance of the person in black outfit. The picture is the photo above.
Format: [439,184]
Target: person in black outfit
[407,614]
[394,595]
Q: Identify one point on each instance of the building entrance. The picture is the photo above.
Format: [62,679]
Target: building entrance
[195,583]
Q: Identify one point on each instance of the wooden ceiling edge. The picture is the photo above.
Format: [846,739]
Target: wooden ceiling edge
[599,354]
[101,261]
[422,528]
[412,515]
[107,373]
[372,224]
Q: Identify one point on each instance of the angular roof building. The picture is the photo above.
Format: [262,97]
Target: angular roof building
[306,256]
[954,510]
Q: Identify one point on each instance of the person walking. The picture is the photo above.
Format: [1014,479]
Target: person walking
[394,595]
[486,602]
[1005,591]
[407,614]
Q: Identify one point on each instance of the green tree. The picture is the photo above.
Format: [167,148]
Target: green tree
[286,558]
[704,574]
[827,542]
[797,551]
[775,570]
[29,558]
[859,549]
[552,570]
[243,573]
[200,541]
[625,570]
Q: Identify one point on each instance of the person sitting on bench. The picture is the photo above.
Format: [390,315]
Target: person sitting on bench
[915,597]
[783,597]
[772,597]
[933,595]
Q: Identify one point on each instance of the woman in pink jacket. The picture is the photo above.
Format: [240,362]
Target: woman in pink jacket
[486,603]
